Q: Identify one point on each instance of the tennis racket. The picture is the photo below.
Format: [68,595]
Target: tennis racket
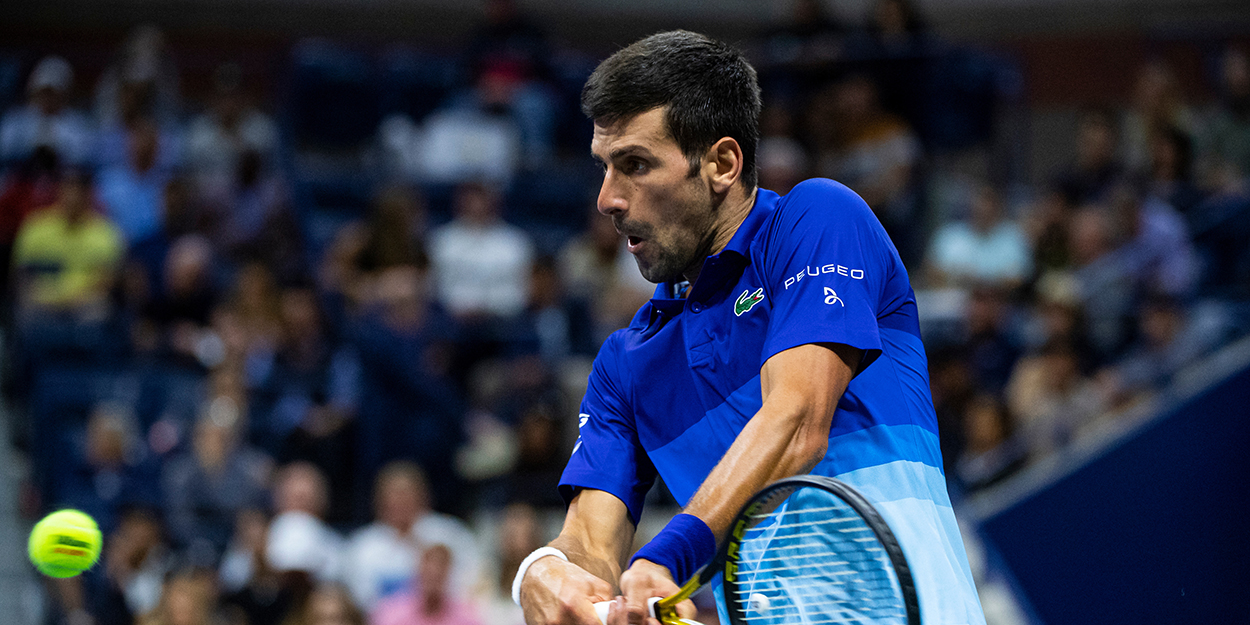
[806,550]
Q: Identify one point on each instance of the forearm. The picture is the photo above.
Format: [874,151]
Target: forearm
[597,535]
[600,563]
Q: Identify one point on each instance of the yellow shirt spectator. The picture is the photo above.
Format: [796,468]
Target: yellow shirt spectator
[66,255]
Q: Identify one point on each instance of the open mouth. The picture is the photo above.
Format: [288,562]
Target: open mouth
[634,242]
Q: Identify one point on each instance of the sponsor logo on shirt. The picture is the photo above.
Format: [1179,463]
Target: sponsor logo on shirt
[582,418]
[831,296]
[747,301]
[831,268]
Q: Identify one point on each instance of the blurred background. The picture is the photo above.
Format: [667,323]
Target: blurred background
[300,296]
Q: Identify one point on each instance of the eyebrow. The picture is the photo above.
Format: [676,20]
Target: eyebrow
[630,150]
[627,150]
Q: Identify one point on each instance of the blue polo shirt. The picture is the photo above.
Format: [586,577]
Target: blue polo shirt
[669,394]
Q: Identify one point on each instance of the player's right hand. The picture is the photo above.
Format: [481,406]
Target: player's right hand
[555,592]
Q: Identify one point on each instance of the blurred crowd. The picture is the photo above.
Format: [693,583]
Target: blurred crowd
[312,355]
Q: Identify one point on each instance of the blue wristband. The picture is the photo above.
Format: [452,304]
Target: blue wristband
[683,546]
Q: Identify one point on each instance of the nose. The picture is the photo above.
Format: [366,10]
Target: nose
[611,201]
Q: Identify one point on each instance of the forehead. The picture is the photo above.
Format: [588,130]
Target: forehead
[646,130]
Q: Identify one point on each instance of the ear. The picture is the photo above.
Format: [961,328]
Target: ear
[722,164]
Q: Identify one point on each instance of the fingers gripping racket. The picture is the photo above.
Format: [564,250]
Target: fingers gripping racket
[806,550]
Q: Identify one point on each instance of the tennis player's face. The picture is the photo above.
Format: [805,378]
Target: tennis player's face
[665,213]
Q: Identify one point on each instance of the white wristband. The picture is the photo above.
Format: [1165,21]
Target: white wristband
[540,552]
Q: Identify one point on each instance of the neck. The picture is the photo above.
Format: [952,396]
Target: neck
[732,211]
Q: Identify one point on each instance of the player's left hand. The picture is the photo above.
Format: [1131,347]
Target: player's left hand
[643,580]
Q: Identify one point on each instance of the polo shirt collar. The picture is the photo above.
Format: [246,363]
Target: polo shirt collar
[717,267]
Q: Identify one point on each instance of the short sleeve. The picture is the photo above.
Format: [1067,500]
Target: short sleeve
[608,455]
[825,260]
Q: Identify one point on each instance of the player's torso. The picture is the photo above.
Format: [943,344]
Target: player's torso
[697,367]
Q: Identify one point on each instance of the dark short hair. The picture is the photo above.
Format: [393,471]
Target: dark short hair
[710,89]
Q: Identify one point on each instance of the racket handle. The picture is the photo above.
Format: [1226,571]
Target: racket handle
[601,608]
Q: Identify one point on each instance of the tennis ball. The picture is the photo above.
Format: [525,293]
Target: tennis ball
[64,543]
[758,602]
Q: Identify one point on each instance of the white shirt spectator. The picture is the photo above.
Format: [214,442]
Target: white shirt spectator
[213,151]
[380,560]
[45,121]
[964,254]
[481,268]
[299,541]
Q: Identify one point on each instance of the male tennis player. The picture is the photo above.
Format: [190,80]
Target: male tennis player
[782,339]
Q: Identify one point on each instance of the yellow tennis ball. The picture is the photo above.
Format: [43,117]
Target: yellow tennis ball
[64,543]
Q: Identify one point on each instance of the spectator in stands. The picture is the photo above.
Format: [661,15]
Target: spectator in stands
[113,470]
[252,591]
[305,392]
[554,325]
[1105,289]
[987,248]
[47,119]
[896,46]
[481,263]
[482,268]
[1122,252]
[249,210]
[1047,222]
[876,154]
[1097,167]
[255,314]
[430,600]
[31,185]
[408,406]
[218,138]
[540,442]
[990,452]
[1170,337]
[1158,102]
[392,236]
[67,256]
[181,310]
[519,533]
[328,604]
[206,487]
[800,51]
[1050,399]
[188,598]
[142,79]
[132,191]
[1171,170]
[896,29]
[598,268]
[953,387]
[299,540]
[135,562]
[783,161]
[992,347]
[509,60]
[381,556]
[1056,315]
[1225,144]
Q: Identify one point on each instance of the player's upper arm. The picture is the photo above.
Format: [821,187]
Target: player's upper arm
[804,383]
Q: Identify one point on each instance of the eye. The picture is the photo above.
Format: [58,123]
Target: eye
[636,166]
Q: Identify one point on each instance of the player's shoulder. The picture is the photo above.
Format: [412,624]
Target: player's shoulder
[823,198]
[819,205]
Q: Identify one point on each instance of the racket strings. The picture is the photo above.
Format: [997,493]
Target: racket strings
[814,560]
